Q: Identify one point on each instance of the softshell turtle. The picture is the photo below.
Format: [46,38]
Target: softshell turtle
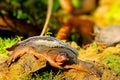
[57,53]
[108,36]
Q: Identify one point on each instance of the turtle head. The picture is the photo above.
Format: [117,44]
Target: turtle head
[60,59]
[56,57]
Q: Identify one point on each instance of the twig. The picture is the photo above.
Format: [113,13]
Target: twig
[49,11]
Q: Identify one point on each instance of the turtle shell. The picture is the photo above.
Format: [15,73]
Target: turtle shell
[46,41]
[108,36]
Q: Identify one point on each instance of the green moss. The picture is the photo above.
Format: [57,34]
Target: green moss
[45,76]
[113,62]
[6,43]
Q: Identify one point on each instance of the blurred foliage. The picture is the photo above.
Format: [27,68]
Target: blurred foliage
[77,3]
[31,11]
[6,43]
[113,62]
[28,10]
[111,13]
[113,16]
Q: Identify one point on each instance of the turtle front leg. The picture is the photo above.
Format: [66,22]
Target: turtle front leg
[18,52]
[85,66]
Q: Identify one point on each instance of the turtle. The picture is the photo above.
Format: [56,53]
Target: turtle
[57,53]
[108,36]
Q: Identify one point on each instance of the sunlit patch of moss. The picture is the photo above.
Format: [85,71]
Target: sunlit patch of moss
[112,17]
[109,51]
[6,43]
[111,57]
[113,62]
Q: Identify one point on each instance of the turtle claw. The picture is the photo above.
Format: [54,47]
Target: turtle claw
[10,60]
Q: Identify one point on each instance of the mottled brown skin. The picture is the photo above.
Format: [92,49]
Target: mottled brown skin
[57,57]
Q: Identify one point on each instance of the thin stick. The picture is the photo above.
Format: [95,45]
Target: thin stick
[49,12]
